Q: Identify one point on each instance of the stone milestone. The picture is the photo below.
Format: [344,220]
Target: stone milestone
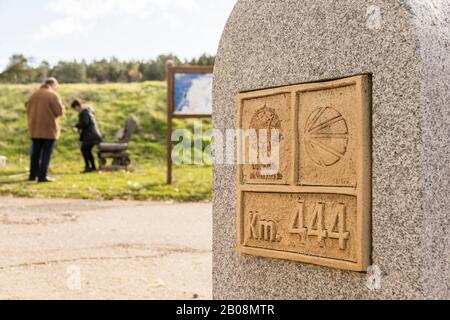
[358,92]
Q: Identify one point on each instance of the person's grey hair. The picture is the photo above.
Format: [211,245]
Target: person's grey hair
[51,81]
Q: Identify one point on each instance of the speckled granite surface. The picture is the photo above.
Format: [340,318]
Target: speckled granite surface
[279,42]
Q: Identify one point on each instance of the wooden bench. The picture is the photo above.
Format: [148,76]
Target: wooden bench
[118,151]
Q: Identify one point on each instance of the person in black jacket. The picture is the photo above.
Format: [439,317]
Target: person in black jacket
[90,135]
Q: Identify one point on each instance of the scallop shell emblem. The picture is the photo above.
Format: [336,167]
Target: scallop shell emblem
[326,137]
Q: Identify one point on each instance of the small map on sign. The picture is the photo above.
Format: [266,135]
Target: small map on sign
[193,93]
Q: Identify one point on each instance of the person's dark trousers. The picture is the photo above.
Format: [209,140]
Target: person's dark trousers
[89,160]
[41,155]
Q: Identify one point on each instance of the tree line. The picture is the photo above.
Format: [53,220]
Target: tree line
[22,70]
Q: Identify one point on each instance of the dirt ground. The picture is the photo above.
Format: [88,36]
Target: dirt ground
[75,249]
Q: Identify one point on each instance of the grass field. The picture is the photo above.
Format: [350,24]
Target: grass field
[113,104]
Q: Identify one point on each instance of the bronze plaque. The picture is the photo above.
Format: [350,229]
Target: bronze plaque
[316,208]
[269,112]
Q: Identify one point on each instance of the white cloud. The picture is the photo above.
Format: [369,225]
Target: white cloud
[3,64]
[61,27]
[80,15]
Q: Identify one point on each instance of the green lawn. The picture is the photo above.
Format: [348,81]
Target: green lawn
[113,104]
[144,183]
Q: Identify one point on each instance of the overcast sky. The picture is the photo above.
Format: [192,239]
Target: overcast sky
[55,30]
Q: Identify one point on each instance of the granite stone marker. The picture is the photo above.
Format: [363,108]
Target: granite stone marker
[359,208]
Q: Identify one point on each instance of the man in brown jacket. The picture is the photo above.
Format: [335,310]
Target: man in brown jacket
[44,110]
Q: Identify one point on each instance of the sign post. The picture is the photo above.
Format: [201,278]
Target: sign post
[189,96]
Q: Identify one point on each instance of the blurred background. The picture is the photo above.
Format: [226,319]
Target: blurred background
[112,55]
